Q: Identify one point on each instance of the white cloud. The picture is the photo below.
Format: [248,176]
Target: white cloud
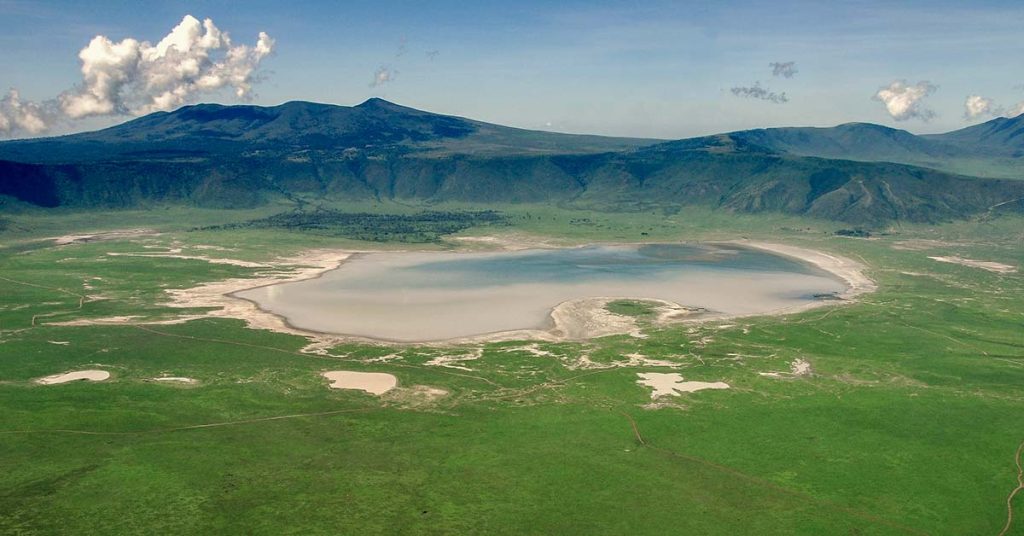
[903,101]
[383,75]
[977,106]
[17,115]
[1017,109]
[132,77]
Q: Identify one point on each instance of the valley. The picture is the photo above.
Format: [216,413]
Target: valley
[923,368]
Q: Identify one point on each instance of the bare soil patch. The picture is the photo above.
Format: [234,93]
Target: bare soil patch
[995,267]
[798,368]
[376,383]
[87,375]
[673,384]
[101,235]
[176,379]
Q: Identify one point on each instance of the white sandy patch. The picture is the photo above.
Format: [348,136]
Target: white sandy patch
[532,349]
[60,343]
[212,260]
[667,312]
[662,404]
[105,320]
[919,244]
[383,358]
[417,396]
[319,347]
[214,248]
[798,368]
[640,360]
[507,242]
[88,375]
[584,361]
[451,361]
[376,383]
[428,391]
[101,235]
[588,318]
[176,379]
[672,383]
[996,267]
[217,296]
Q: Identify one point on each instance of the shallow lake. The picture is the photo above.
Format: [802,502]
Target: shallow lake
[428,296]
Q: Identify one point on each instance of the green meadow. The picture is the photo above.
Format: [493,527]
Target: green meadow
[908,423]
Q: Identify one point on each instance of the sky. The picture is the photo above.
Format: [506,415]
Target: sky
[670,69]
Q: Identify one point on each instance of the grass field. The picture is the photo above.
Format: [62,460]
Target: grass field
[908,424]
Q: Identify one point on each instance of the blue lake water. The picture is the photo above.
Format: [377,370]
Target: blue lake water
[427,296]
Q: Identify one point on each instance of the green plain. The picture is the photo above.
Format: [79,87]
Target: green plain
[908,424]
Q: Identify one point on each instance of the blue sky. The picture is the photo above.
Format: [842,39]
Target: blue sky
[653,69]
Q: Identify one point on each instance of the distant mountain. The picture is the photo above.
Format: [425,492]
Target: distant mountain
[850,141]
[999,137]
[991,149]
[241,156]
[376,125]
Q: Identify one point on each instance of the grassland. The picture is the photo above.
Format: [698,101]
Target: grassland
[908,423]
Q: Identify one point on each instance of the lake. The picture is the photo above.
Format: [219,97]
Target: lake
[430,296]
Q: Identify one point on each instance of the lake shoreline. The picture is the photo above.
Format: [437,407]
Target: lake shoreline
[571,320]
[586,318]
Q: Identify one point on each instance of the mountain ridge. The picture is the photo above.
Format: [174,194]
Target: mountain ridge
[215,128]
[240,156]
[992,149]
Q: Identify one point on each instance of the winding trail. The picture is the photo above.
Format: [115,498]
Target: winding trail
[81,297]
[997,205]
[1020,486]
[636,429]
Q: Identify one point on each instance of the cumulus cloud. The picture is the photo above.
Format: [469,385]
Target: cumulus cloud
[17,115]
[904,101]
[757,92]
[132,77]
[785,69]
[383,75]
[977,106]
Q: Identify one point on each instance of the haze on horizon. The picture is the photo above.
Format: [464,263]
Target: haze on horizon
[652,69]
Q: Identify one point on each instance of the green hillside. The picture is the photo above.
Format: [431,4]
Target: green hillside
[993,149]
[246,156]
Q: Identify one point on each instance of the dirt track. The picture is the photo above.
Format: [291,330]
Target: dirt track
[1020,486]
